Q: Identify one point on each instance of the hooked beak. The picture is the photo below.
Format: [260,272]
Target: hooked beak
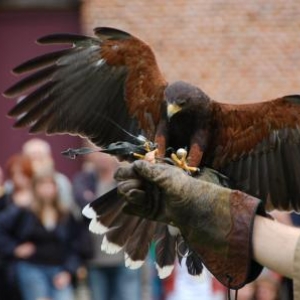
[172,109]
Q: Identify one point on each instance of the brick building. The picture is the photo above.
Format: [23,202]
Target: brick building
[234,50]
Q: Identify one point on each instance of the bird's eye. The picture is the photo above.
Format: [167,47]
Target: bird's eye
[181,102]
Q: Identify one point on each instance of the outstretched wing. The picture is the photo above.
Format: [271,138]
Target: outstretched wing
[97,88]
[258,147]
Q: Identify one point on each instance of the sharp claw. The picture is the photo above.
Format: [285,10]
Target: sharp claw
[180,161]
[150,153]
[138,156]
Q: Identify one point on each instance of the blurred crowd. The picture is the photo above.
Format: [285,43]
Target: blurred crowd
[47,252]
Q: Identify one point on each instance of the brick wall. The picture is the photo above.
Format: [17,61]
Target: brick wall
[235,50]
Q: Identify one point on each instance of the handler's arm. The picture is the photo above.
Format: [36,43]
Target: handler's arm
[274,245]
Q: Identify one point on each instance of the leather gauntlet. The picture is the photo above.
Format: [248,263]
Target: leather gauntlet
[232,263]
[216,222]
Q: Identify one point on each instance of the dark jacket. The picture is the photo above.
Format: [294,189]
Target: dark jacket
[55,247]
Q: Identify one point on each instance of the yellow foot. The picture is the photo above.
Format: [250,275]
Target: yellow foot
[180,160]
[138,156]
[150,153]
[149,156]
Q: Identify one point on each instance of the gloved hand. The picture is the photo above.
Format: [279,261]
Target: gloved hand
[215,221]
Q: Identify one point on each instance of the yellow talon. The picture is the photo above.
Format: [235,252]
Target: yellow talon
[149,156]
[147,147]
[180,160]
[138,156]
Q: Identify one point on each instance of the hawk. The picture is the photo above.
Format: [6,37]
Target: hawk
[108,85]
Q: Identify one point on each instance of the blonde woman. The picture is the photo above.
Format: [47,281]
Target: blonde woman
[42,244]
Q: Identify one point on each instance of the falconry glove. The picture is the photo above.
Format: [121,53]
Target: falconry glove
[216,222]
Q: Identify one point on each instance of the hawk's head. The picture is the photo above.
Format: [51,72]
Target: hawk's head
[181,95]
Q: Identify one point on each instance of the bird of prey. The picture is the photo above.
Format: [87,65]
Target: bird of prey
[103,87]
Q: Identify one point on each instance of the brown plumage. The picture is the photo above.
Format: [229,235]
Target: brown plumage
[113,78]
[256,145]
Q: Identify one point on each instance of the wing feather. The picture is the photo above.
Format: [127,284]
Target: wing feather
[81,89]
[31,100]
[121,233]
[30,81]
[263,175]
[194,264]
[258,147]
[65,38]
[138,244]
[165,251]
[41,61]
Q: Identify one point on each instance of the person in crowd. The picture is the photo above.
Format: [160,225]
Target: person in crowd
[40,153]
[19,174]
[109,279]
[40,236]
[265,287]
